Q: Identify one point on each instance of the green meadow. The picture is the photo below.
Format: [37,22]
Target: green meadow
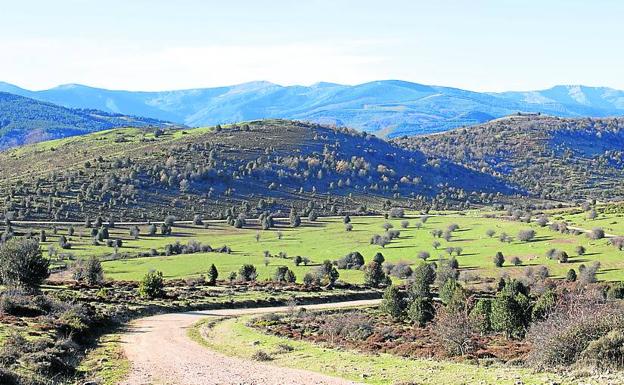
[328,239]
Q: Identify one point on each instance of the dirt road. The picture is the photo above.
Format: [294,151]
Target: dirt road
[161,353]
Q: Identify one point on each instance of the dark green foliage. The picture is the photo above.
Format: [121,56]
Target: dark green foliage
[421,311]
[327,273]
[507,315]
[616,291]
[481,314]
[284,274]
[213,274]
[544,305]
[247,273]
[353,260]
[22,264]
[374,275]
[152,285]
[571,275]
[392,302]
[379,258]
[499,259]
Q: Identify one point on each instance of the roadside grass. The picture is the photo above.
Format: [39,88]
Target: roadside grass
[327,239]
[106,363]
[231,336]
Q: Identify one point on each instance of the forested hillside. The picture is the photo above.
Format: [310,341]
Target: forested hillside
[552,157]
[247,168]
[24,120]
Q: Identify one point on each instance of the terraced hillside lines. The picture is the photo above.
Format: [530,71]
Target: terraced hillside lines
[554,158]
[133,174]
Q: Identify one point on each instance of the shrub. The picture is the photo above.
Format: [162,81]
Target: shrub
[169,221]
[576,321]
[526,235]
[284,274]
[616,291]
[562,256]
[588,274]
[516,261]
[261,355]
[580,250]
[310,279]
[379,258]
[605,353]
[421,311]
[507,315]
[392,302]
[353,260]
[423,276]
[247,273]
[571,275]
[374,275]
[152,285]
[480,315]
[544,305]
[401,270]
[499,259]
[454,330]
[596,233]
[22,264]
[447,290]
[327,274]
[213,274]
[490,233]
[424,255]
[89,270]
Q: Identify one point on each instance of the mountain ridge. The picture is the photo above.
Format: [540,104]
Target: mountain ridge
[387,107]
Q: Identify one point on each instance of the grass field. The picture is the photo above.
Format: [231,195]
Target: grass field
[327,239]
[234,338]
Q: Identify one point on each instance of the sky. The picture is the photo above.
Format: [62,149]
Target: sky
[149,45]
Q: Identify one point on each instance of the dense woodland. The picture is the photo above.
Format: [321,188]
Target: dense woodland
[550,157]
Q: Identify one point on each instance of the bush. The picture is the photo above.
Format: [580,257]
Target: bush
[526,235]
[596,233]
[353,260]
[89,270]
[578,319]
[544,305]
[507,315]
[616,291]
[421,311]
[327,274]
[580,250]
[261,355]
[480,315]
[374,275]
[499,259]
[606,353]
[247,273]
[454,330]
[152,285]
[22,264]
[213,275]
[392,302]
[516,261]
[284,274]
[571,275]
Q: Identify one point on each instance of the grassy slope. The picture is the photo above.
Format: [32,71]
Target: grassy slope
[232,337]
[327,239]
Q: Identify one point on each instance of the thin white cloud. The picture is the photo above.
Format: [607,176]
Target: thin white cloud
[42,63]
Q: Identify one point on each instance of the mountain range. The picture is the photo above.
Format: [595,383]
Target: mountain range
[389,108]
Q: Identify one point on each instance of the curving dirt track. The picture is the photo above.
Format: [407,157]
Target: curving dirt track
[161,353]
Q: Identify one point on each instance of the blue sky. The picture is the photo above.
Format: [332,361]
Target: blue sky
[153,45]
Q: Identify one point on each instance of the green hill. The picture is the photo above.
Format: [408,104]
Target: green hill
[554,158]
[24,120]
[248,168]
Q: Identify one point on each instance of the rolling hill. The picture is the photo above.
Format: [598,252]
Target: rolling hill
[24,120]
[555,158]
[244,168]
[388,108]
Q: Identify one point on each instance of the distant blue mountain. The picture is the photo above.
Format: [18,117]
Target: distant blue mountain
[389,108]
